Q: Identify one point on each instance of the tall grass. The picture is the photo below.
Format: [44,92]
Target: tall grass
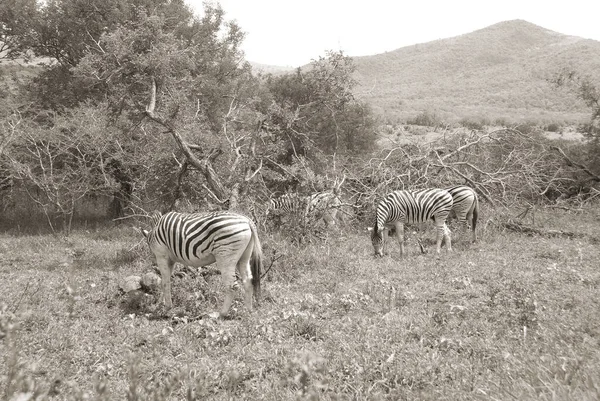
[511,317]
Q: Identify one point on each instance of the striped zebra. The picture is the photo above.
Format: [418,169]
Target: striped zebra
[227,238]
[411,207]
[314,207]
[465,207]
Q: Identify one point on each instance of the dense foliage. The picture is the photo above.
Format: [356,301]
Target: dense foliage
[235,132]
[146,105]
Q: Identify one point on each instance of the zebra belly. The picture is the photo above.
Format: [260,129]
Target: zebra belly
[203,260]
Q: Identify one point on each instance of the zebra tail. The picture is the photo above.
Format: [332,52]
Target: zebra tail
[256,262]
[475,212]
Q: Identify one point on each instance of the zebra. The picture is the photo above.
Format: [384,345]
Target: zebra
[317,206]
[199,239]
[409,207]
[465,206]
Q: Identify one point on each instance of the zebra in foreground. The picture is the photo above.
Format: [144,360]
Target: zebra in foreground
[227,238]
[465,206]
[410,207]
[317,206]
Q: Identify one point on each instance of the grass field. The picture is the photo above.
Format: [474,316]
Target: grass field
[511,317]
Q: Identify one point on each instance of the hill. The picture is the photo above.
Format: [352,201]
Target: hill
[499,72]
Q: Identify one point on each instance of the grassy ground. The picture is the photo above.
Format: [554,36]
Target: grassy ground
[512,317]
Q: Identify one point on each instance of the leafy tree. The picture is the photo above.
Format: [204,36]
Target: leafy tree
[200,82]
[16,26]
[586,89]
[67,30]
[316,110]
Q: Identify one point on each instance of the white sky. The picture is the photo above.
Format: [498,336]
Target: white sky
[292,32]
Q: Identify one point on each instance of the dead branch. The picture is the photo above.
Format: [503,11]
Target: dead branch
[177,190]
[463,176]
[204,166]
[526,229]
[571,162]
[250,175]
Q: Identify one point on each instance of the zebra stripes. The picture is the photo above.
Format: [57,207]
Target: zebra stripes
[317,206]
[465,207]
[227,238]
[409,207]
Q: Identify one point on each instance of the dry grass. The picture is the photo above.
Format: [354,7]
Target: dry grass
[512,317]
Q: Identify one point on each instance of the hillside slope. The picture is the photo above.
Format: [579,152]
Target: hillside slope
[500,71]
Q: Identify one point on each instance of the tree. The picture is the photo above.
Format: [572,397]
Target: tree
[203,91]
[59,167]
[16,27]
[586,89]
[315,109]
[65,31]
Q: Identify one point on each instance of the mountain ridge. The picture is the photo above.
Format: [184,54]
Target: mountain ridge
[500,72]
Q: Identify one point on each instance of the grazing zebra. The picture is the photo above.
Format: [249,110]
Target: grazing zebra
[227,238]
[410,207]
[465,207]
[320,205]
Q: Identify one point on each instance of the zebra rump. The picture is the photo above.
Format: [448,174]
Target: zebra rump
[465,207]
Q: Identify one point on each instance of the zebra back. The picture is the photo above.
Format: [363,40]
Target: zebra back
[189,235]
[289,203]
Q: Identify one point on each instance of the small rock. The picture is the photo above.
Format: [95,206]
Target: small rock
[130,283]
[150,282]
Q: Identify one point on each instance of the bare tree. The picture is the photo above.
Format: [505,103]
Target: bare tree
[57,169]
[225,195]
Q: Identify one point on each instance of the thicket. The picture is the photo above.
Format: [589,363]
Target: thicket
[148,106]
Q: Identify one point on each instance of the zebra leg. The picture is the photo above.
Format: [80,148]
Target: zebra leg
[227,269]
[165,265]
[384,236]
[400,236]
[447,238]
[443,234]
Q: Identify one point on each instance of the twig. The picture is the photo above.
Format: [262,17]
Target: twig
[271,265]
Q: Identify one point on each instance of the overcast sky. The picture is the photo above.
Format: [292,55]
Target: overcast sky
[292,32]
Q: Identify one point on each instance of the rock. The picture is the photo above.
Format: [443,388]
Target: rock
[130,283]
[150,282]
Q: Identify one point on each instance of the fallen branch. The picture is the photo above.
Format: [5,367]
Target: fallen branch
[525,229]
[593,177]
[204,166]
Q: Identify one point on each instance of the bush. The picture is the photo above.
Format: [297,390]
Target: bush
[527,127]
[426,119]
[471,124]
